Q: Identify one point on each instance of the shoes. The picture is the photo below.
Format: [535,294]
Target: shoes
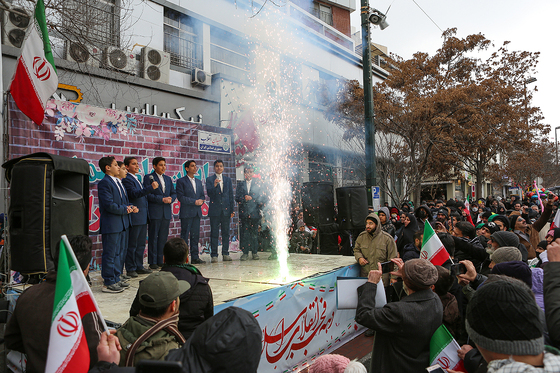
[125,277]
[154,266]
[132,274]
[198,261]
[255,256]
[244,257]
[115,288]
[143,271]
[214,259]
[369,333]
[123,284]
[273,256]
[226,258]
[160,265]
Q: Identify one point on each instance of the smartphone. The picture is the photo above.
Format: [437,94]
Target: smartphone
[387,267]
[458,269]
[435,369]
[157,366]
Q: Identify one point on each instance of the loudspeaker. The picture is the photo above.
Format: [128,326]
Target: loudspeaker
[48,198]
[328,239]
[352,207]
[318,203]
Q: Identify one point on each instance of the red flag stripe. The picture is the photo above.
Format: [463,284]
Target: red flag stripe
[440,257]
[78,356]
[21,91]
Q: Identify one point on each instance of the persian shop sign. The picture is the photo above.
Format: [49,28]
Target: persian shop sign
[214,142]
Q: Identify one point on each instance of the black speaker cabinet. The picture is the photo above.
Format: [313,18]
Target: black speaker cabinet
[48,198]
[352,207]
[318,203]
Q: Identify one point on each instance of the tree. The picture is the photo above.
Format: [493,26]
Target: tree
[451,111]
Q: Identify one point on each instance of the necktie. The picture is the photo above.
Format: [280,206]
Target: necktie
[123,192]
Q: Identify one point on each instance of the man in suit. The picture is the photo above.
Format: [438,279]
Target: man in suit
[220,191]
[249,199]
[190,193]
[115,220]
[137,194]
[159,210]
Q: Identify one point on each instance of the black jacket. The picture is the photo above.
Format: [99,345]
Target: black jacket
[229,342]
[196,304]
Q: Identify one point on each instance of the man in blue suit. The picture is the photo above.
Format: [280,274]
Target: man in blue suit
[159,210]
[249,197]
[137,195]
[115,220]
[190,193]
[220,190]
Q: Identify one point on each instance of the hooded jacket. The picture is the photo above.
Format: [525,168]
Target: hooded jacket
[229,342]
[428,216]
[376,247]
[388,226]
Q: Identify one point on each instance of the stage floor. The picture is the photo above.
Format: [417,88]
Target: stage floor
[228,280]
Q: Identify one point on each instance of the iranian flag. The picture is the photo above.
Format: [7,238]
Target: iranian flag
[35,79]
[443,350]
[432,248]
[68,350]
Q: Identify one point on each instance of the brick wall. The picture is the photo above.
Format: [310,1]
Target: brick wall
[341,20]
[175,140]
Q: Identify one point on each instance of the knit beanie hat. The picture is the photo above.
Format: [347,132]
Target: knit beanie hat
[512,220]
[331,363]
[503,317]
[515,269]
[505,238]
[506,254]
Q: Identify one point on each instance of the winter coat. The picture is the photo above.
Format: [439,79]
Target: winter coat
[377,247]
[229,342]
[388,226]
[406,235]
[410,252]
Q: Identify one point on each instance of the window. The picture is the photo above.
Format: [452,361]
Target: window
[94,22]
[323,12]
[229,54]
[181,40]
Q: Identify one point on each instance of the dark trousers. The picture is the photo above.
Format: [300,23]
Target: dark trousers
[158,230]
[112,258]
[136,247]
[215,223]
[249,235]
[191,227]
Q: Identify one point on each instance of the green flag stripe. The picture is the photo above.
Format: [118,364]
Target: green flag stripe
[41,21]
[428,232]
[439,341]
[63,282]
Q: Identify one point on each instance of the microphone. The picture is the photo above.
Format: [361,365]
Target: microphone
[151,178]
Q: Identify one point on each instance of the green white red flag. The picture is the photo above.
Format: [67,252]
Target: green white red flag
[68,350]
[432,248]
[443,350]
[35,79]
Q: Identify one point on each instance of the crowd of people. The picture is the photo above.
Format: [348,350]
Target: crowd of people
[497,295]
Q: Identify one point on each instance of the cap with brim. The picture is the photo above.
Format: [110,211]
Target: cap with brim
[160,289]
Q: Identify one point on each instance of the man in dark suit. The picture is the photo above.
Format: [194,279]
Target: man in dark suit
[220,191]
[159,210]
[249,199]
[137,194]
[115,220]
[190,193]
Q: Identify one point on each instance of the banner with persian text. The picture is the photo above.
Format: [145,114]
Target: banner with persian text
[300,321]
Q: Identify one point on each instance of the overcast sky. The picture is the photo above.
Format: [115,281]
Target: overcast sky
[532,26]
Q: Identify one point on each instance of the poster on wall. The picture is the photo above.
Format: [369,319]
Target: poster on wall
[214,142]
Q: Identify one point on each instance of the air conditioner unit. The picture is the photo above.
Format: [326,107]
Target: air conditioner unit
[201,77]
[155,65]
[14,27]
[86,54]
[115,58]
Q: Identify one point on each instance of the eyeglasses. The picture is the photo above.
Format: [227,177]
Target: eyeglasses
[520,219]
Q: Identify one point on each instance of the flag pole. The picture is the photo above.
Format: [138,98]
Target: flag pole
[83,278]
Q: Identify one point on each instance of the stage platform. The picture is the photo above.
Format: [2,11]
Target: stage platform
[228,280]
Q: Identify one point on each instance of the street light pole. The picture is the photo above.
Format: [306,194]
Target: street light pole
[556,142]
[368,101]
